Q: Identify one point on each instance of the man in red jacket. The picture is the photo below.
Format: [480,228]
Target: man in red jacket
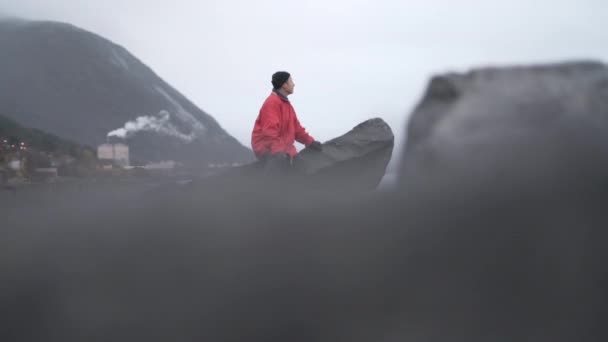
[277,126]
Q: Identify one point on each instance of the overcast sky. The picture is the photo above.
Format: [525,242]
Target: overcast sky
[350,59]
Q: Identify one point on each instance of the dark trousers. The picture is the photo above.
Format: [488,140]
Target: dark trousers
[277,165]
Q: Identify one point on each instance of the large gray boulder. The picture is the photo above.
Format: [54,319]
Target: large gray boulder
[536,129]
[357,159]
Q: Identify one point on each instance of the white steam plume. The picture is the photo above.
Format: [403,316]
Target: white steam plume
[159,124]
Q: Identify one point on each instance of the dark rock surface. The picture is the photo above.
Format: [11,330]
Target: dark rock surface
[357,159]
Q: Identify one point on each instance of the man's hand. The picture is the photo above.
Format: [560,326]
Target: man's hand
[315,145]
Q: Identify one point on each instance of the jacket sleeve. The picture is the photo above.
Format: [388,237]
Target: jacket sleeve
[301,135]
[270,115]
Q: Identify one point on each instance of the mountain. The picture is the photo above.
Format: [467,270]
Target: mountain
[79,86]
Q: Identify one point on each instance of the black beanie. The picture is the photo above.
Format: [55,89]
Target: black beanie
[279,78]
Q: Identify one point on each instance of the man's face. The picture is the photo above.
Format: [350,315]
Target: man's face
[288,86]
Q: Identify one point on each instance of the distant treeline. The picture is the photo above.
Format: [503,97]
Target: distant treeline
[39,140]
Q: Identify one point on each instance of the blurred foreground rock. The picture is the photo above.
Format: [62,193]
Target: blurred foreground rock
[497,233]
[533,130]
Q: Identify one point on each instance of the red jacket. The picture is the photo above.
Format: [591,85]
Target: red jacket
[277,128]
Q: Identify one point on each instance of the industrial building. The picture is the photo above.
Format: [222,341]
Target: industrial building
[114,154]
